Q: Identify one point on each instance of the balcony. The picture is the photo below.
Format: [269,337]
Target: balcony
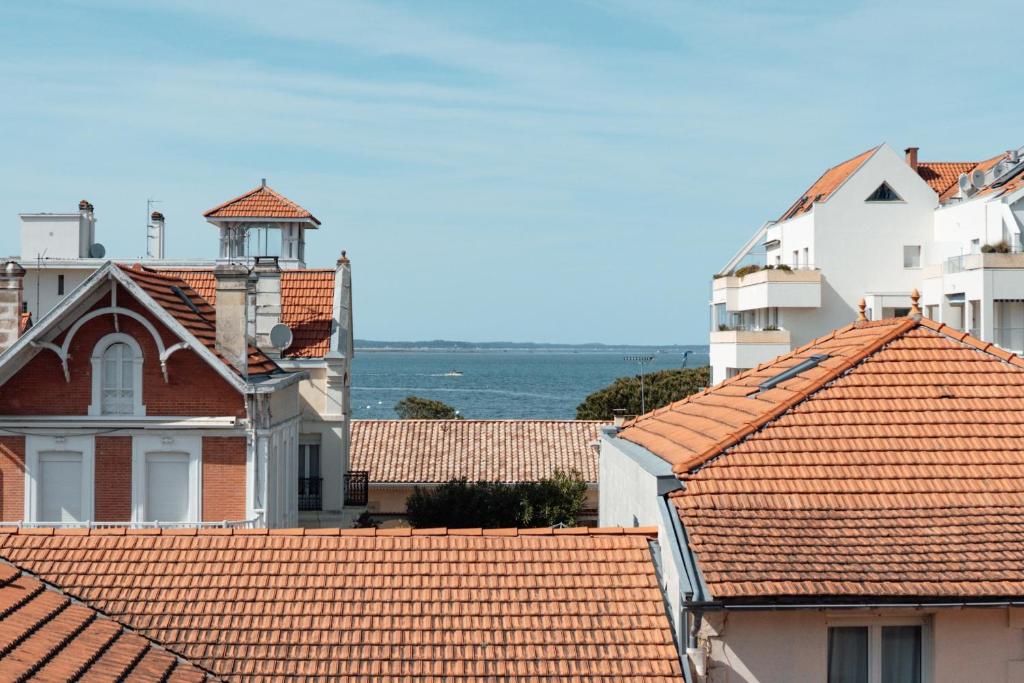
[311,494]
[966,262]
[746,348]
[357,487]
[769,288]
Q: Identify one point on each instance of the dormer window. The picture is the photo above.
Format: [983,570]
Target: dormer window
[117,376]
[884,193]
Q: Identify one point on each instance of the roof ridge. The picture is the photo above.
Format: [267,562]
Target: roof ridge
[968,340]
[472,420]
[330,531]
[233,200]
[798,397]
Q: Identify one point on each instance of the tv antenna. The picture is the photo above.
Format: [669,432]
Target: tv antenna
[642,361]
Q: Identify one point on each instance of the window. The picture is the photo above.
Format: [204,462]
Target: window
[166,478]
[59,479]
[117,376]
[807,257]
[875,654]
[796,258]
[310,480]
[60,285]
[912,256]
[60,487]
[884,193]
[976,246]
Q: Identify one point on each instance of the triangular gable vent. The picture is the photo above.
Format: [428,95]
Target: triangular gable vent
[884,193]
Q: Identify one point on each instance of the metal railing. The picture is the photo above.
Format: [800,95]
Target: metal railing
[310,494]
[253,523]
[357,487]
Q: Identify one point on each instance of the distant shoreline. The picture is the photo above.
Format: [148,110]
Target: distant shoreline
[444,346]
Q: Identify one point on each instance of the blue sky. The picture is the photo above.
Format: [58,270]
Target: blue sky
[527,171]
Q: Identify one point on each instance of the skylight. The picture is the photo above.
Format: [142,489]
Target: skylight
[792,372]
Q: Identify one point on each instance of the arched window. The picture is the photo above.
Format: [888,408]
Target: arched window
[117,377]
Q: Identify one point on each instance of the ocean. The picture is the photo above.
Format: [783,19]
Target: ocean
[495,384]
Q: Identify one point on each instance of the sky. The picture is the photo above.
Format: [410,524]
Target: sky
[553,171]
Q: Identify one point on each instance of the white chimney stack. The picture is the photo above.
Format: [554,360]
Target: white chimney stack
[155,236]
[12,279]
[267,272]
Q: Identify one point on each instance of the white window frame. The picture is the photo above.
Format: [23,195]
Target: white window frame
[874,626]
[35,445]
[96,407]
[167,443]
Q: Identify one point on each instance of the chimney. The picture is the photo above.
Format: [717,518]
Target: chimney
[12,279]
[86,228]
[911,157]
[267,271]
[231,314]
[155,236]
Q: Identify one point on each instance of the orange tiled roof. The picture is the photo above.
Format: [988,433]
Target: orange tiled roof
[954,189]
[824,186]
[892,469]
[943,175]
[260,202]
[47,637]
[436,451]
[307,305]
[202,324]
[401,604]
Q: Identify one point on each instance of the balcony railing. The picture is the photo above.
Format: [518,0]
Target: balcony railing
[357,487]
[310,494]
[253,523]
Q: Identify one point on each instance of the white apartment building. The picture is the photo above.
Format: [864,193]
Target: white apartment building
[301,317]
[877,227]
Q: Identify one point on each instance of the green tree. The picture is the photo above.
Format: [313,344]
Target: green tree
[490,505]
[660,389]
[419,408]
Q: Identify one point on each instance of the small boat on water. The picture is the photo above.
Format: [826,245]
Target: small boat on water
[453,373]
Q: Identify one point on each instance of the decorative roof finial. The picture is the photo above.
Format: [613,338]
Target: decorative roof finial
[915,309]
[343,259]
[862,306]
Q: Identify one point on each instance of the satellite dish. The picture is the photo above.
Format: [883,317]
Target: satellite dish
[965,183]
[978,178]
[280,336]
[97,250]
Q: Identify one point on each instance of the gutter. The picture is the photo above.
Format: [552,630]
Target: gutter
[720,606]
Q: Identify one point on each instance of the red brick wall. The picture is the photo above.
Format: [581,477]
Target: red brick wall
[12,478]
[113,478]
[194,387]
[223,478]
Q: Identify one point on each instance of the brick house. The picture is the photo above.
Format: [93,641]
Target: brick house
[309,307]
[135,402]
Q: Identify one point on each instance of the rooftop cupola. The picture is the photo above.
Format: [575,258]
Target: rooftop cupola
[263,222]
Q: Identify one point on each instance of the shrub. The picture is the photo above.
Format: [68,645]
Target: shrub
[558,499]
[747,270]
[418,408]
[784,268]
[997,248]
[660,389]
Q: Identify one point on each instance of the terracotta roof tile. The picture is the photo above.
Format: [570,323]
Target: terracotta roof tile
[943,175]
[46,636]
[824,186]
[574,605]
[954,189]
[307,305]
[24,323]
[260,202]
[436,451]
[201,322]
[899,473]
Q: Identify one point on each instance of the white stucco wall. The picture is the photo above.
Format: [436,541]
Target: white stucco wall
[977,645]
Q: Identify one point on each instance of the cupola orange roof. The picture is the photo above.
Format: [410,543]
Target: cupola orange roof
[261,202]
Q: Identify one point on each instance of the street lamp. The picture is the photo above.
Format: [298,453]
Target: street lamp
[642,361]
